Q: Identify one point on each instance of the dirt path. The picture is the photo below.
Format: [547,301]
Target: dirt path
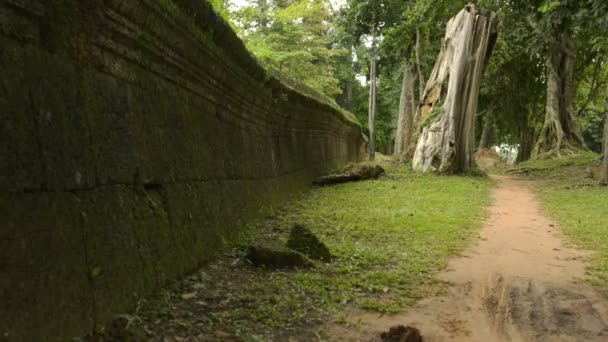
[518,283]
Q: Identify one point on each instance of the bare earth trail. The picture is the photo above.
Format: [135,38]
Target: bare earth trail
[518,283]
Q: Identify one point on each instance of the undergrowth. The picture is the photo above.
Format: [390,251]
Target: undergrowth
[389,238]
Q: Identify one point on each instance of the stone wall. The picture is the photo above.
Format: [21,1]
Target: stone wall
[136,136]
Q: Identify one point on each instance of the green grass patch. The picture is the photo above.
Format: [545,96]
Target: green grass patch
[557,165]
[389,238]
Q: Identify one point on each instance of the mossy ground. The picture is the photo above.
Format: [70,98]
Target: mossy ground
[572,197]
[389,238]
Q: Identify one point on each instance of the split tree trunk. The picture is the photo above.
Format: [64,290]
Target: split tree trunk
[604,170]
[447,111]
[372,110]
[421,83]
[405,122]
[486,133]
[561,131]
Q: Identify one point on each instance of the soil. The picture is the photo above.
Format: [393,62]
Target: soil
[519,282]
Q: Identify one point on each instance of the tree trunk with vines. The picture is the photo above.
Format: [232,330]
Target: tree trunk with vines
[446,142]
[561,132]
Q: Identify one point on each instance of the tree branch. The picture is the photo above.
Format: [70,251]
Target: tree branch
[595,86]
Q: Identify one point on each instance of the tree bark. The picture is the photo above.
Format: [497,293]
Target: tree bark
[372,110]
[604,169]
[486,133]
[349,95]
[447,111]
[421,83]
[525,140]
[405,121]
[561,131]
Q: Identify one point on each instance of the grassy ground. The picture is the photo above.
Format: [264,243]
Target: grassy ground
[389,237]
[572,196]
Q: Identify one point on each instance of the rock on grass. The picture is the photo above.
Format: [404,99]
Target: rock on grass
[352,173]
[400,333]
[301,239]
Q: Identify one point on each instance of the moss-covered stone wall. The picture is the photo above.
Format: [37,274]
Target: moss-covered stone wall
[136,136]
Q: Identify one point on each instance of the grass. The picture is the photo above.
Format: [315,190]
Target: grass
[390,237]
[578,203]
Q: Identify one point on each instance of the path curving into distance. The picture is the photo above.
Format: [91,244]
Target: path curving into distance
[519,282]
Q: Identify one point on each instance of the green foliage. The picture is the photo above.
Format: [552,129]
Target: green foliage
[326,48]
[542,166]
[548,6]
[296,41]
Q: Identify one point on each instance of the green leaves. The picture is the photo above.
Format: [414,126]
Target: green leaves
[297,41]
[548,6]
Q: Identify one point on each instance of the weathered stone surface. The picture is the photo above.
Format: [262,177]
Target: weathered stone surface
[352,173]
[135,137]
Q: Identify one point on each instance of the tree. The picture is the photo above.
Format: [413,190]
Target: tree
[486,132]
[449,105]
[421,83]
[561,131]
[330,49]
[367,18]
[604,170]
[295,38]
[418,20]
[514,82]
[405,123]
[372,109]
[599,11]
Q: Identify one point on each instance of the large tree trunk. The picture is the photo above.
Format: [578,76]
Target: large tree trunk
[349,95]
[525,140]
[561,131]
[447,140]
[421,83]
[488,129]
[372,110]
[405,122]
[604,170]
